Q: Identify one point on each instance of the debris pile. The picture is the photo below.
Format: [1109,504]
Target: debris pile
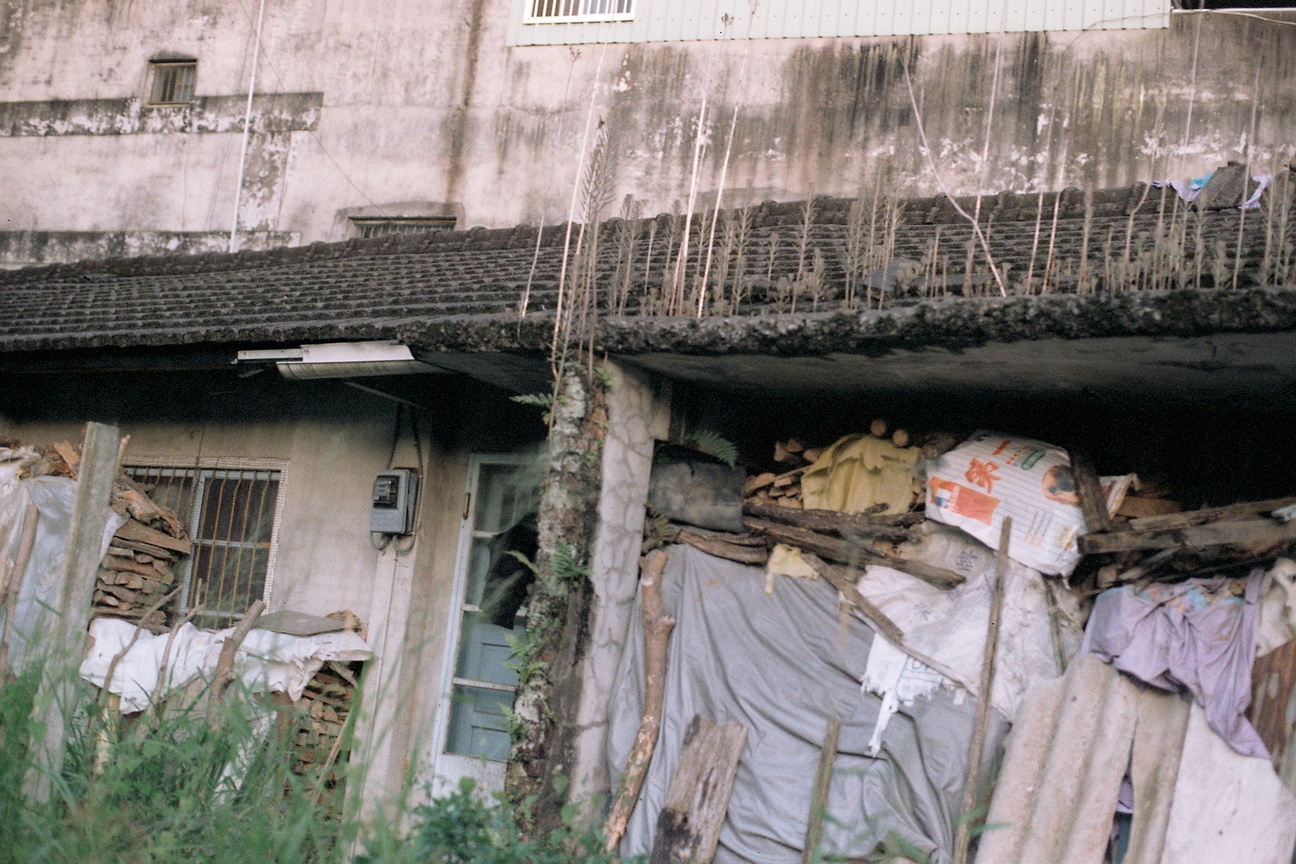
[136,579]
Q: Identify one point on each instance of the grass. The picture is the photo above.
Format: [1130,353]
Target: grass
[162,789]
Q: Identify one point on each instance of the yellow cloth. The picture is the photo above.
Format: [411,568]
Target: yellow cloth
[858,472]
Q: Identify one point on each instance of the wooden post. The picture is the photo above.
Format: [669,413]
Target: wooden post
[657,630]
[56,699]
[224,675]
[688,828]
[1093,504]
[963,836]
[26,540]
[819,795]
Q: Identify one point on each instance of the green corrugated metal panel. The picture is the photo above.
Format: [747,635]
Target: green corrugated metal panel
[691,20]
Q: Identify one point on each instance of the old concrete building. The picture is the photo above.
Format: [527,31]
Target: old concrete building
[152,128]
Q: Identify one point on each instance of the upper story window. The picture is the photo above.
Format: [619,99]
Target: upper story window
[172,81]
[556,11]
[384,226]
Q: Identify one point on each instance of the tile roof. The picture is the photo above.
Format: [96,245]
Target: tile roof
[463,290]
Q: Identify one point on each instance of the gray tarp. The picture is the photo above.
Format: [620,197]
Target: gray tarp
[781,665]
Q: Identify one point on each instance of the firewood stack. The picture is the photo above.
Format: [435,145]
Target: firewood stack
[322,713]
[137,574]
[783,488]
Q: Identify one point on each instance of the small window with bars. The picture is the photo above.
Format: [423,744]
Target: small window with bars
[230,514]
[380,227]
[558,11]
[173,81]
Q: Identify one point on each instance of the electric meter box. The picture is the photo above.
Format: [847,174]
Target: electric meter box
[394,493]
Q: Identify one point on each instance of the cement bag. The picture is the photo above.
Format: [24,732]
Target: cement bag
[990,476]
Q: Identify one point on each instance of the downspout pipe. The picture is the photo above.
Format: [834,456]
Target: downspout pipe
[247,130]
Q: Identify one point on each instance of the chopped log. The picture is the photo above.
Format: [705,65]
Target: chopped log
[146,548]
[720,548]
[963,836]
[829,521]
[841,578]
[819,793]
[130,498]
[845,552]
[787,502]
[70,456]
[758,481]
[1210,514]
[140,533]
[688,827]
[130,565]
[812,455]
[1093,504]
[1139,507]
[1245,532]
[657,629]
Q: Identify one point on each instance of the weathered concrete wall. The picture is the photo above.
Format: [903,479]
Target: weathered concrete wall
[424,101]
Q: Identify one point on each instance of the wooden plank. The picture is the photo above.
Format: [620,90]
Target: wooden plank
[845,552]
[141,533]
[819,793]
[843,579]
[688,827]
[57,701]
[1210,514]
[1244,532]
[1093,504]
[742,553]
[828,521]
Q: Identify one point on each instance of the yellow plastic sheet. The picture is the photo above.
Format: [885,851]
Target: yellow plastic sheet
[859,472]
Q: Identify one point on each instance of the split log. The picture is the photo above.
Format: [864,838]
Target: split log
[819,794]
[846,552]
[657,629]
[963,835]
[1210,514]
[841,578]
[721,548]
[829,521]
[1246,532]
[141,533]
[1093,504]
[688,827]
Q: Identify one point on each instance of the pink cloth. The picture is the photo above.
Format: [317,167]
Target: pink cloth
[1195,635]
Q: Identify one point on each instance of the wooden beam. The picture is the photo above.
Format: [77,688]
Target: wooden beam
[828,521]
[1093,504]
[657,629]
[819,793]
[976,750]
[56,700]
[855,554]
[688,827]
[841,578]
[1210,514]
[1244,532]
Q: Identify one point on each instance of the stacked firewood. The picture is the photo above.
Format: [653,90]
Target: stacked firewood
[321,717]
[783,488]
[136,579]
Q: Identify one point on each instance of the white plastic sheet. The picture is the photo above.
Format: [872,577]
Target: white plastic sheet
[265,662]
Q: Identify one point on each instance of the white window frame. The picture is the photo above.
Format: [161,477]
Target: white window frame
[530,17]
[214,464]
[447,767]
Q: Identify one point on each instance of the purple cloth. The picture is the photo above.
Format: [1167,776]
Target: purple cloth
[1195,635]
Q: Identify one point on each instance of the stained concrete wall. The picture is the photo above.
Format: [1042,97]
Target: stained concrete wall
[423,102]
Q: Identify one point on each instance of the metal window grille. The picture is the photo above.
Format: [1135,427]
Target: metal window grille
[581,10]
[230,514]
[173,81]
[386,227]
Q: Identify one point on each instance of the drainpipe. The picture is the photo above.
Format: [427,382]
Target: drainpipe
[247,130]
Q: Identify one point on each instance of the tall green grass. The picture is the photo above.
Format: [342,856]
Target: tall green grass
[191,785]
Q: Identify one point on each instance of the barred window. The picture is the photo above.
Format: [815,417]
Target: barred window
[173,81]
[580,10]
[230,514]
[383,227]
